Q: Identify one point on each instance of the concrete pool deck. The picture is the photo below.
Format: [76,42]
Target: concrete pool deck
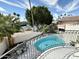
[57,53]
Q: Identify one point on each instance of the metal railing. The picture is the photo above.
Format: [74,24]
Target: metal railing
[73,31]
[24,50]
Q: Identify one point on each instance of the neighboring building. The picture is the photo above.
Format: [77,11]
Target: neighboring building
[25,26]
[69,23]
[55,21]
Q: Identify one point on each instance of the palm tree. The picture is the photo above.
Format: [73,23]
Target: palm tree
[11,29]
[14,13]
[18,15]
[1,36]
[8,28]
[1,27]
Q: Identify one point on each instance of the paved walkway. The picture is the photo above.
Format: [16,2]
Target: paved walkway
[22,36]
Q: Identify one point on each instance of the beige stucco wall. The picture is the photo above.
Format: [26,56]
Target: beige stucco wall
[62,26]
[69,37]
[69,25]
[3,46]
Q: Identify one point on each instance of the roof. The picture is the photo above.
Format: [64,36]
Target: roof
[70,18]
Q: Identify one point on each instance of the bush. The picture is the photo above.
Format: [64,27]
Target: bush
[52,28]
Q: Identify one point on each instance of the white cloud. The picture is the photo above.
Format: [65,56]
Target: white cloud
[50,2]
[11,3]
[55,16]
[59,8]
[71,6]
[76,8]
[27,5]
[53,3]
[22,4]
[2,9]
[26,2]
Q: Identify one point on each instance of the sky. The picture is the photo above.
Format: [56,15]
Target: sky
[56,7]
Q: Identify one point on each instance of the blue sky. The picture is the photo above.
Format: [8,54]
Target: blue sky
[57,7]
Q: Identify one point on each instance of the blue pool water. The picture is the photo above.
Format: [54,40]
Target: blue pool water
[48,42]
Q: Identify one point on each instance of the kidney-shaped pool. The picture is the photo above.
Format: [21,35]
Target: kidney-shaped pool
[48,42]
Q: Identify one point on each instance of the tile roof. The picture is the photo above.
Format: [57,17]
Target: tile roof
[70,18]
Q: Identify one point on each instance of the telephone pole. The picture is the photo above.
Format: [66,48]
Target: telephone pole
[31,14]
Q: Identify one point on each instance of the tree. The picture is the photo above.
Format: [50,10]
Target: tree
[2,31]
[14,13]
[41,16]
[8,27]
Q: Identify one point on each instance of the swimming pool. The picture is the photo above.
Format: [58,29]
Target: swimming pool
[48,42]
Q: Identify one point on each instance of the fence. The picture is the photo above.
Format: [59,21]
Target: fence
[23,50]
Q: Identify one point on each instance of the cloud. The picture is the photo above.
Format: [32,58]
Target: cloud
[76,8]
[50,2]
[22,4]
[25,4]
[11,3]
[59,8]
[53,3]
[72,6]
[55,14]
[2,9]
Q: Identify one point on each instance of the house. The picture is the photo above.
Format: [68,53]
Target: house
[69,23]
[25,26]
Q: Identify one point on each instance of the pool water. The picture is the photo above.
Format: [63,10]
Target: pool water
[48,42]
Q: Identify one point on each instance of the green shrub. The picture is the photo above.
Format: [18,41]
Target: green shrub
[52,28]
